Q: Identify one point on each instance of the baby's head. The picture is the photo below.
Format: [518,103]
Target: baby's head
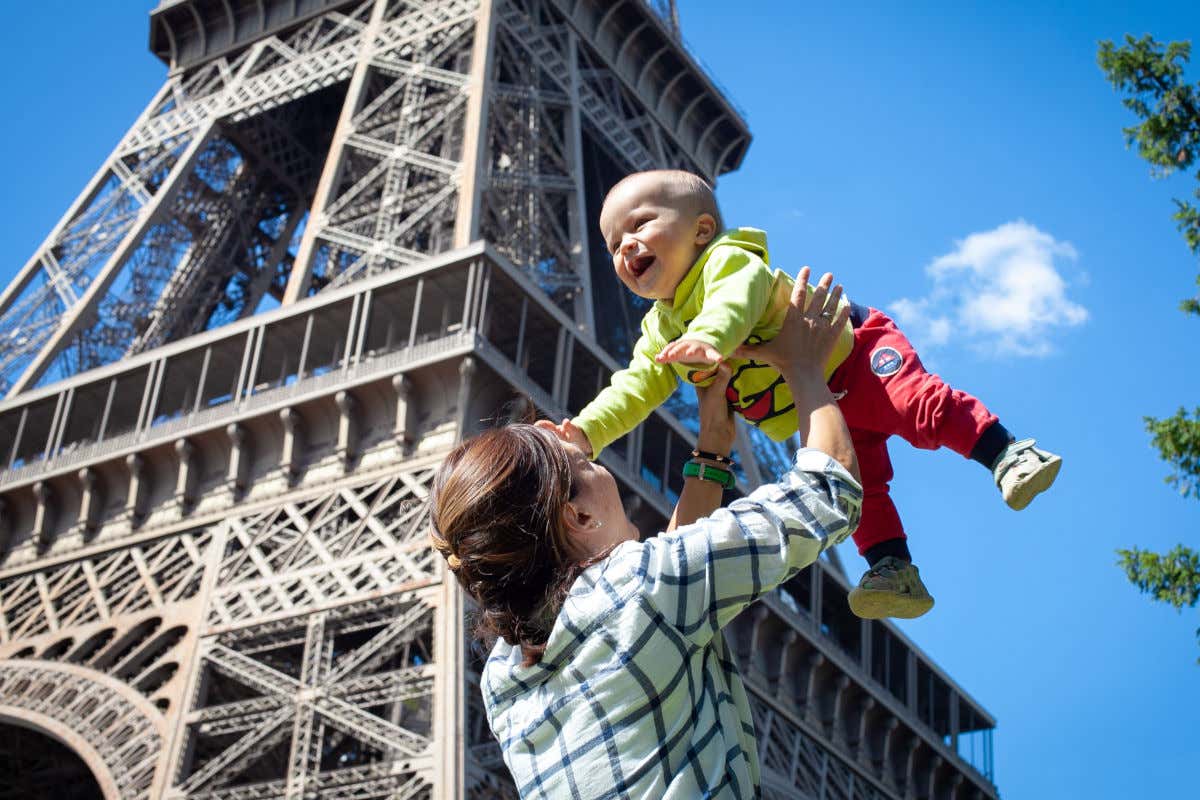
[655,224]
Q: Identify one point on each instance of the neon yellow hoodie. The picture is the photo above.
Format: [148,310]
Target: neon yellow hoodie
[728,297]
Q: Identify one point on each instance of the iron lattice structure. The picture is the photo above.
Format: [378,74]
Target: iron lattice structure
[340,237]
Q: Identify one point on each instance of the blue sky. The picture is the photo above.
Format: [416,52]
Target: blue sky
[889,138]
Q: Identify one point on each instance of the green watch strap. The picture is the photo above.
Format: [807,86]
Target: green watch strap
[707,472]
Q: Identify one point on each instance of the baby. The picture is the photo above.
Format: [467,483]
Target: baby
[714,291]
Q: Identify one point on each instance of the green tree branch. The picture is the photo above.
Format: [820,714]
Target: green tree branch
[1151,76]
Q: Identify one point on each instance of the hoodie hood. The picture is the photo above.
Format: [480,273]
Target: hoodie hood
[751,240]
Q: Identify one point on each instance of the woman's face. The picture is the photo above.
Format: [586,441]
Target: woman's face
[602,520]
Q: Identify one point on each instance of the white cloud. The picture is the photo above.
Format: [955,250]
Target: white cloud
[1000,292]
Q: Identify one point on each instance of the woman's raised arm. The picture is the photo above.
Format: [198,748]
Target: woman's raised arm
[717,432]
[701,575]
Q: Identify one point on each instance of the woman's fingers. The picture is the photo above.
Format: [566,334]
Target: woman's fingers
[840,317]
[831,304]
[811,319]
[800,290]
[816,302]
[820,298]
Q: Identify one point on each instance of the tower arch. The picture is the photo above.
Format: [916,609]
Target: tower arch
[117,733]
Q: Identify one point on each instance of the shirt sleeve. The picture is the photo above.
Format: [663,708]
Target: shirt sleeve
[737,291]
[702,575]
[628,399]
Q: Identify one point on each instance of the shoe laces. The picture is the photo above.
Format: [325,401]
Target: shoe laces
[886,565]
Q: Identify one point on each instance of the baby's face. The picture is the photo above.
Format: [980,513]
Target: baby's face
[652,240]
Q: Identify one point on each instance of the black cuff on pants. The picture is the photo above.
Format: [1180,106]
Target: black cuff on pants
[897,548]
[991,444]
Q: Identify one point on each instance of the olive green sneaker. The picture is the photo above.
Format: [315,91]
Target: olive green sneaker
[1022,472]
[891,588]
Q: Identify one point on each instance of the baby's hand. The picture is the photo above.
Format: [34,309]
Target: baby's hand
[689,351]
[568,432]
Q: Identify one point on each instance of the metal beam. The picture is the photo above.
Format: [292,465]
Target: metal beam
[85,197]
[149,215]
[297,285]
[585,314]
[474,160]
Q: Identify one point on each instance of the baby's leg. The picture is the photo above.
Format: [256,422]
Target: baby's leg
[880,521]
[885,390]
[892,586]
[888,390]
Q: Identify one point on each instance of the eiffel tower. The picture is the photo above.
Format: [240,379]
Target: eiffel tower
[341,237]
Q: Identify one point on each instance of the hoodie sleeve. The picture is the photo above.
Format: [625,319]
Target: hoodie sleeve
[629,397]
[737,292]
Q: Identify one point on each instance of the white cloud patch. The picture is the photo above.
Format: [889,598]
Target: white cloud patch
[1000,292]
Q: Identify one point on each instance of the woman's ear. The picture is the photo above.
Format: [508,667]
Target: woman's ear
[706,229]
[579,524]
[575,518]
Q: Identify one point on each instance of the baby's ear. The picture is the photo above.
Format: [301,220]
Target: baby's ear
[706,229]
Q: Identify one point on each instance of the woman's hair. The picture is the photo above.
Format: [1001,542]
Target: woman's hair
[496,510]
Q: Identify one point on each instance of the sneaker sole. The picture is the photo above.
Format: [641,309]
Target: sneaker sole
[873,604]
[1024,492]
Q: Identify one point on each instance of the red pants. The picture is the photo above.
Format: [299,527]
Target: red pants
[887,392]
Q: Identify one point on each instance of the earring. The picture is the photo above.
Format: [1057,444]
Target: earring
[598,524]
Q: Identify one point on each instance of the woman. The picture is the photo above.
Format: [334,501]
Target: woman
[609,676]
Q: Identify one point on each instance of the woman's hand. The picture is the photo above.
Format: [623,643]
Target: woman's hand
[799,351]
[717,428]
[806,339]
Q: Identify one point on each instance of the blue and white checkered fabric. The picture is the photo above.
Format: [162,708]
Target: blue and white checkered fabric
[636,695]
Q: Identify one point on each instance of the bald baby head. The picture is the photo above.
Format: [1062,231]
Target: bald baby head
[655,225]
[688,193]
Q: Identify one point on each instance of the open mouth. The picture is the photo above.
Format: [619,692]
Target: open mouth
[639,265]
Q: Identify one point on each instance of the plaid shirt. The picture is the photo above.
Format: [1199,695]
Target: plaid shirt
[637,696]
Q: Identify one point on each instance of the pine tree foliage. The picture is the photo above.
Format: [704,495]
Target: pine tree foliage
[1150,76]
